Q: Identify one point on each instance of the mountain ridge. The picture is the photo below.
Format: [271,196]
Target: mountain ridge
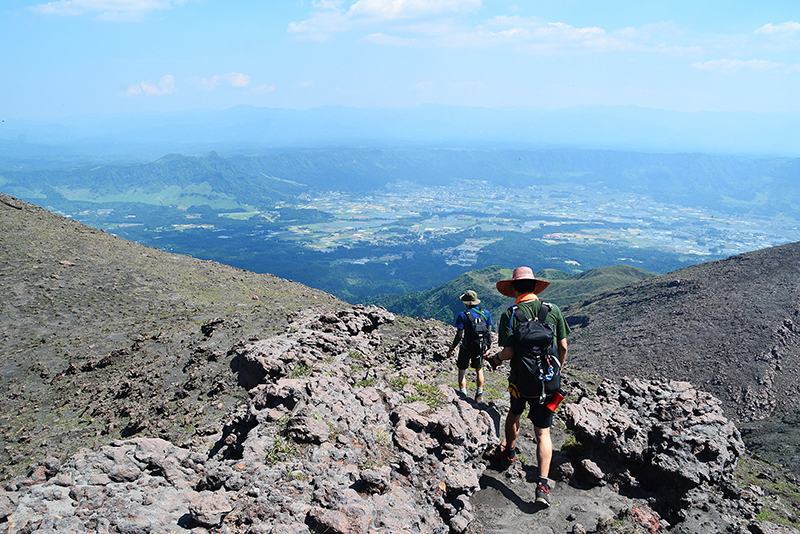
[731,326]
[614,127]
[442,302]
[101,335]
[726,183]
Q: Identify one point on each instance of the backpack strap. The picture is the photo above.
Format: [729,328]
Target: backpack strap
[542,318]
[522,317]
[470,319]
[543,311]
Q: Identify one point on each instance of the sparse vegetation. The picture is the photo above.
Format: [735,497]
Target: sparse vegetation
[427,393]
[782,502]
[397,383]
[367,382]
[281,450]
[302,370]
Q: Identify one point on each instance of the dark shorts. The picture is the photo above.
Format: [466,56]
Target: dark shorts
[539,415]
[468,359]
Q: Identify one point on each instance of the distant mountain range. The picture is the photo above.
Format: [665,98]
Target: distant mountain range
[741,185]
[442,302]
[247,129]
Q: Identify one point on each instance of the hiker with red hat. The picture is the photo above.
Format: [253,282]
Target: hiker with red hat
[524,287]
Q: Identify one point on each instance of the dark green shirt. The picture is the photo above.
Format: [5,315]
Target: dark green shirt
[505,334]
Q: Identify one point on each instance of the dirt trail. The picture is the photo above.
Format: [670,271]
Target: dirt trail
[505,503]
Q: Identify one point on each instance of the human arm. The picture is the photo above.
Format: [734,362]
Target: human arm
[562,351]
[562,331]
[456,341]
[505,354]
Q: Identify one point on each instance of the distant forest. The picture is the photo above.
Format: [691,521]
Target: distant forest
[418,267]
[159,195]
[725,183]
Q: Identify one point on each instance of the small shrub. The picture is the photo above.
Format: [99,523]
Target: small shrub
[281,449]
[302,370]
[365,383]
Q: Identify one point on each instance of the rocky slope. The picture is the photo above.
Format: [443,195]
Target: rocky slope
[347,432]
[104,338]
[731,327]
[145,392]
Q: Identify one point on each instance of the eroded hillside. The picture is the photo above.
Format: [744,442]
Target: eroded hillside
[103,338]
[731,327]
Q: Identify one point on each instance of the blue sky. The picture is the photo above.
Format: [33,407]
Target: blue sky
[68,57]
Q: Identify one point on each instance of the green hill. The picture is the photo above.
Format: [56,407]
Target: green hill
[442,302]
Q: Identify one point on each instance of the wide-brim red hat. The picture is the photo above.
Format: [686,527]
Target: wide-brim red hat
[506,287]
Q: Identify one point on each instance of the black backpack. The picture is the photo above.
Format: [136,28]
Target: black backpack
[535,347]
[478,338]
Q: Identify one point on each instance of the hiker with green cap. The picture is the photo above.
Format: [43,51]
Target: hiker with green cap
[473,334]
[533,336]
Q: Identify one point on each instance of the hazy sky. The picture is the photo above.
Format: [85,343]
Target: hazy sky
[81,56]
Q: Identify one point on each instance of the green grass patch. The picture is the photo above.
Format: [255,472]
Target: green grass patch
[367,382]
[301,370]
[427,393]
[571,445]
[281,450]
[782,504]
[397,383]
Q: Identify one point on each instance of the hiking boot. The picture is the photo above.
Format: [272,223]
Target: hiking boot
[507,457]
[478,396]
[543,494]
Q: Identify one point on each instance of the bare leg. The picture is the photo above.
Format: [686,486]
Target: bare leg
[479,377]
[462,379]
[512,430]
[544,450]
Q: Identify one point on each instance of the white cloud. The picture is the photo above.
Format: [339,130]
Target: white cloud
[444,23]
[733,65]
[233,79]
[408,9]
[331,16]
[535,33]
[105,9]
[266,88]
[382,38]
[165,86]
[784,28]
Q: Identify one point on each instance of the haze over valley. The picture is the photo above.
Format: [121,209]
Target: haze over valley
[365,222]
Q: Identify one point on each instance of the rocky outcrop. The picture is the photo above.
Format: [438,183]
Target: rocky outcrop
[348,430]
[663,441]
[663,430]
[323,444]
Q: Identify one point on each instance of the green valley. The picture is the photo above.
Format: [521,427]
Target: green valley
[364,223]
